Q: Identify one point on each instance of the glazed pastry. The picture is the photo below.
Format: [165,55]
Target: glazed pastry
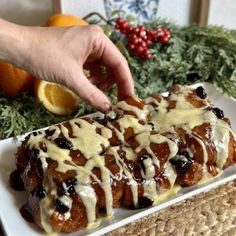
[131,157]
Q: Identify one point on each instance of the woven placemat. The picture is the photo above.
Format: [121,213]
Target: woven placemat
[212,213]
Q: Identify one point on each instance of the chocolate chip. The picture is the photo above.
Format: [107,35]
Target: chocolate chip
[200,91]
[63,143]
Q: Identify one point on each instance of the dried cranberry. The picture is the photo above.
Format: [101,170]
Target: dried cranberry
[200,91]
[60,207]
[16,181]
[63,143]
[218,112]
[144,202]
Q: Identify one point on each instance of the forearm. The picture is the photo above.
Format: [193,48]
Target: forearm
[12,42]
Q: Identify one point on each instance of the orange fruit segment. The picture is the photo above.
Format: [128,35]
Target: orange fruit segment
[65,20]
[56,98]
[14,80]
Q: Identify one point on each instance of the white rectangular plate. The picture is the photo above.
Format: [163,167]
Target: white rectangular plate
[11,200]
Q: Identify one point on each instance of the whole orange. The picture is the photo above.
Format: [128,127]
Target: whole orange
[14,80]
[65,20]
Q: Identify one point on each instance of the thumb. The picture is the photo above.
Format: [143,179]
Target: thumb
[90,93]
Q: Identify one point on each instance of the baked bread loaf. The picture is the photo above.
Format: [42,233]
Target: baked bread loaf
[134,156]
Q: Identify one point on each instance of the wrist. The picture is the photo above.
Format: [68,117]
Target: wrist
[13,42]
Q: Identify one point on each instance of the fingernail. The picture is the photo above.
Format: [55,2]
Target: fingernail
[107,107]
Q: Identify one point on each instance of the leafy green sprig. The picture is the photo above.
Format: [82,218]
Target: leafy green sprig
[192,55]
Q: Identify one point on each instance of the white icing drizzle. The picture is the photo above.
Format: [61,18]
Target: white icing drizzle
[140,113]
[170,173]
[123,167]
[67,201]
[221,137]
[150,186]
[204,150]
[130,154]
[150,189]
[130,121]
[45,212]
[185,118]
[145,139]
[89,199]
[91,144]
[87,140]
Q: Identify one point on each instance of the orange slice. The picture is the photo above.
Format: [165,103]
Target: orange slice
[56,98]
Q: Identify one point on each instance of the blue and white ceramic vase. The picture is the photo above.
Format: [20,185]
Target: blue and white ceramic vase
[143,10]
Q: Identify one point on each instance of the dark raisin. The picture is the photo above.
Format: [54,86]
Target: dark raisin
[141,159]
[70,185]
[182,163]
[60,207]
[15,181]
[111,116]
[218,112]
[49,132]
[35,133]
[200,91]
[40,192]
[63,143]
[72,181]
[34,153]
[152,125]
[144,202]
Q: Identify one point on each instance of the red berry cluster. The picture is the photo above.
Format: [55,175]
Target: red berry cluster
[139,38]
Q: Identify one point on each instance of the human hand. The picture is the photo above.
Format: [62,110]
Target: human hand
[60,54]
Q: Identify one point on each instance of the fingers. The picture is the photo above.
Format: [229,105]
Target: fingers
[88,92]
[113,59]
